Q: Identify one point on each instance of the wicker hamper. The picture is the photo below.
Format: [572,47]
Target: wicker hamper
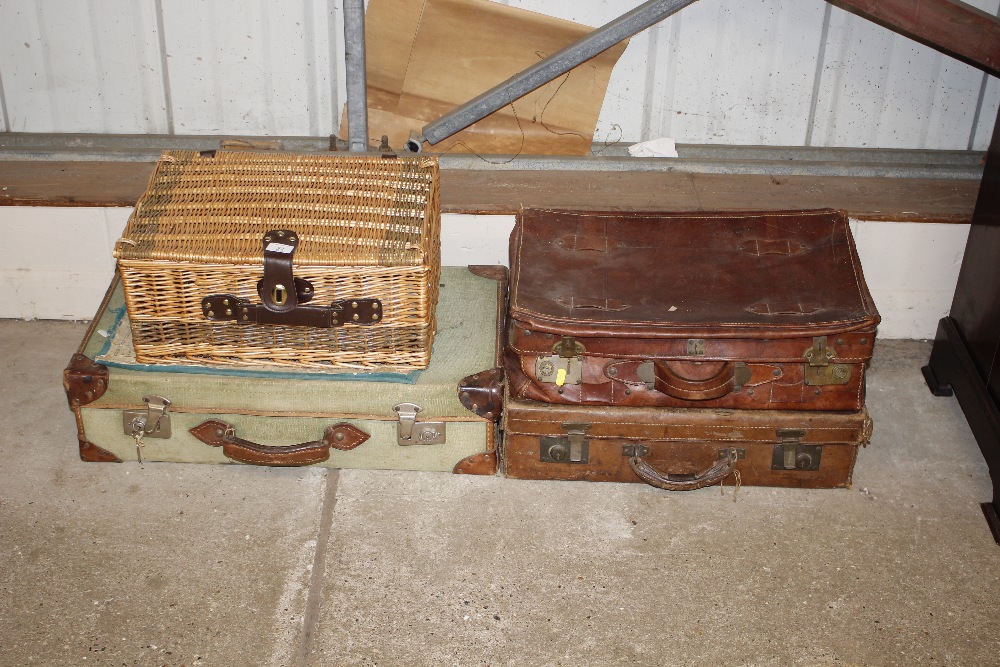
[275,259]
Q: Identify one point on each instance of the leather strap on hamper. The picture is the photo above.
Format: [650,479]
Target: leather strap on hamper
[282,295]
[218,433]
[669,382]
[715,474]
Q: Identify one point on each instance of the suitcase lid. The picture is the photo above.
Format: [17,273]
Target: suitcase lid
[774,274]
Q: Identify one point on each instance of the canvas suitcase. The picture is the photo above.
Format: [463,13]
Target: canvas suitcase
[681,448]
[410,421]
[294,260]
[765,310]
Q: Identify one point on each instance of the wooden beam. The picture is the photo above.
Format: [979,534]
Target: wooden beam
[954,28]
[26,183]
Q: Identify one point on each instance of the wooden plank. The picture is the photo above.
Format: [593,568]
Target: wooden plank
[25,183]
[952,27]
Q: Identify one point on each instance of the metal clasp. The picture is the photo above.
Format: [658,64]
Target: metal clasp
[819,371]
[791,454]
[571,448]
[153,422]
[818,354]
[409,431]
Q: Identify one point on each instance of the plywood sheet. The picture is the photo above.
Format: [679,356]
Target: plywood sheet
[427,57]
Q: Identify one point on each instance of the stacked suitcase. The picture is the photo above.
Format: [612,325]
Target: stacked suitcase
[280,309]
[682,349]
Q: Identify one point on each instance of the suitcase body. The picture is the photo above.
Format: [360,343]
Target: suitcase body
[681,448]
[727,310]
[408,421]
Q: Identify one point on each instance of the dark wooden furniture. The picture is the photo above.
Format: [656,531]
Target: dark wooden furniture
[966,354]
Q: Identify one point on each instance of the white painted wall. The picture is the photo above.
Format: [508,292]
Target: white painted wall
[778,72]
[911,268]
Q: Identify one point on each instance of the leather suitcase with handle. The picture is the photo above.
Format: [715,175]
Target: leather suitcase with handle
[762,310]
[681,448]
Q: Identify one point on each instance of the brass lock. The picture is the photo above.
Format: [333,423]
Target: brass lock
[279,295]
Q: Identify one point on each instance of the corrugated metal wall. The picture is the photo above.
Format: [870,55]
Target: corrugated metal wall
[779,72]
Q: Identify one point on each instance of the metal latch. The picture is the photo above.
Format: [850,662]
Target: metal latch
[791,454]
[819,371]
[409,431]
[567,348]
[571,448]
[564,366]
[559,370]
[153,422]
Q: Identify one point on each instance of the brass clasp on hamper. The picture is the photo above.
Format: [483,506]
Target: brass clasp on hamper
[282,295]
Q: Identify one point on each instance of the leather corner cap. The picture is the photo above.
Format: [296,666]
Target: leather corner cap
[482,393]
[91,453]
[484,463]
[84,380]
[491,271]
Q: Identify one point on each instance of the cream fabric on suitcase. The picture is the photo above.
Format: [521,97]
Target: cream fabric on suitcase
[286,409]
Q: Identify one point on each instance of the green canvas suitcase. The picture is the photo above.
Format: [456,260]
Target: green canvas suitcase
[416,420]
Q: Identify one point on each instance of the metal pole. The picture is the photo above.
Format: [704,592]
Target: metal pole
[545,70]
[357,92]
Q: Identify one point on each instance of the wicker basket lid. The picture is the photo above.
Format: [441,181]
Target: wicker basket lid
[355,210]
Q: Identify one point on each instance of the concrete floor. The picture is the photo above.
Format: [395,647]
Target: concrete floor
[167,564]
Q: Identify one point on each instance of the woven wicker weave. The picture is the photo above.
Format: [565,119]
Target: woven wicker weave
[368,227]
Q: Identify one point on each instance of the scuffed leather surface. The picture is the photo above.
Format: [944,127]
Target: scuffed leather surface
[681,441]
[772,385]
[690,275]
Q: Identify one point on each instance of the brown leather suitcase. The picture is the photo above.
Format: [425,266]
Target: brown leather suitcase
[763,310]
[681,448]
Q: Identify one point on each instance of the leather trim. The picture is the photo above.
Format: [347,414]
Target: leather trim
[279,247]
[492,271]
[92,327]
[229,307]
[91,453]
[482,393]
[484,463]
[84,380]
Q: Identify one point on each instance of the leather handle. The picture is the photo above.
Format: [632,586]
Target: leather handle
[668,382]
[218,433]
[713,475]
